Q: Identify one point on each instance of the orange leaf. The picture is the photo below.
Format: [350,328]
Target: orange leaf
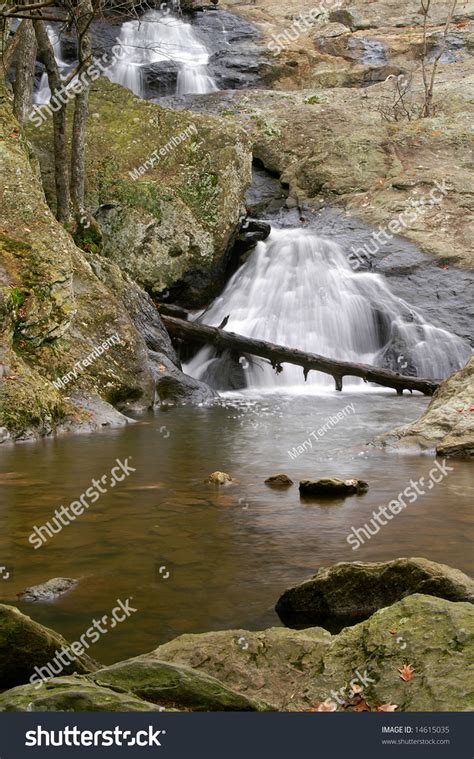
[393,632]
[406,672]
[387,707]
[362,707]
[357,688]
[324,706]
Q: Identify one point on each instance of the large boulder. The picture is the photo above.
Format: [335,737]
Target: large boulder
[57,305]
[174,685]
[295,670]
[274,665]
[166,189]
[447,424]
[349,592]
[25,644]
[71,694]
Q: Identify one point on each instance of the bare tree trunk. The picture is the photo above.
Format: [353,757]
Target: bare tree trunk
[84,16]
[61,174]
[25,71]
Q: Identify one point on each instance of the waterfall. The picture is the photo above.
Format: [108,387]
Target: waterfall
[299,290]
[160,36]
[43,93]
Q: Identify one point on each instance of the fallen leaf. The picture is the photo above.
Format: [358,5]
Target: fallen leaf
[324,706]
[406,672]
[362,707]
[387,707]
[357,688]
[393,632]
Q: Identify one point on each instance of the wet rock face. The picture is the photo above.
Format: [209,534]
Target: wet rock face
[447,423]
[293,670]
[347,593]
[25,644]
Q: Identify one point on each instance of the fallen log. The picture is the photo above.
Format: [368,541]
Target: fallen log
[278,355]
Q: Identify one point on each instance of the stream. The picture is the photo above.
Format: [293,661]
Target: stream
[194,557]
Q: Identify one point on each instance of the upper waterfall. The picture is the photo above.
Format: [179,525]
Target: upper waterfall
[160,36]
[299,290]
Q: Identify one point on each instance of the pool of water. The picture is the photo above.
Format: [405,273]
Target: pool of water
[195,557]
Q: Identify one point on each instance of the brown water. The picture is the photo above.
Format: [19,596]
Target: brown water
[229,552]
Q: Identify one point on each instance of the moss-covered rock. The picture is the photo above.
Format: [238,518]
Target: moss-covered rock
[71,694]
[447,423]
[25,644]
[294,670]
[57,305]
[349,592]
[173,685]
[166,189]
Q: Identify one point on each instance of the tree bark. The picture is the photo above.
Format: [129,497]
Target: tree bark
[25,71]
[84,16]
[61,174]
[278,354]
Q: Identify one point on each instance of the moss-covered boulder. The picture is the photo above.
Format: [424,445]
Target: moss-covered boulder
[349,592]
[447,424]
[71,694]
[166,189]
[174,685]
[25,644]
[295,670]
[275,665]
[58,304]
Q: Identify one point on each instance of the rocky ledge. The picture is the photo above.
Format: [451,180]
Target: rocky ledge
[447,424]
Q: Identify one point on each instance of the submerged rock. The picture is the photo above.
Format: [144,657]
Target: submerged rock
[332,488]
[279,481]
[447,424]
[71,694]
[219,478]
[48,591]
[349,592]
[25,644]
[174,685]
[293,670]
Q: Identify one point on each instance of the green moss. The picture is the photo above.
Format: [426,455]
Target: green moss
[202,196]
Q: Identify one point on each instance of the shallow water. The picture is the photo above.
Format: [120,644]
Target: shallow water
[229,552]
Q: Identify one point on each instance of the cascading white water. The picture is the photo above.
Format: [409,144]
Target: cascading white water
[43,93]
[157,37]
[298,290]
